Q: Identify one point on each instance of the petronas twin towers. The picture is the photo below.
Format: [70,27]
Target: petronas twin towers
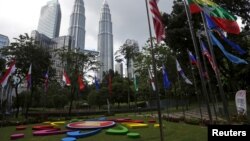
[77,25]
[105,36]
[49,25]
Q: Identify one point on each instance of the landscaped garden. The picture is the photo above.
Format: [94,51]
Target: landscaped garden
[172,131]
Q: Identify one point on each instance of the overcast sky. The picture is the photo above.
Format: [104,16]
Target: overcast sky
[128,17]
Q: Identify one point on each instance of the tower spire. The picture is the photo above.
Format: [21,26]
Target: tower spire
[105,40]
[105,2]
[77,25]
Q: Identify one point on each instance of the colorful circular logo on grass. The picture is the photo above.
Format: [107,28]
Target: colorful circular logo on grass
[90,124]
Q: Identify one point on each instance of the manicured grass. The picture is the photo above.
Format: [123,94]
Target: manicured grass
[172,132]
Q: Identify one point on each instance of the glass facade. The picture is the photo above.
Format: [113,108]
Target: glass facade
[50,19]
[4,41]
[105,40]
[77,25]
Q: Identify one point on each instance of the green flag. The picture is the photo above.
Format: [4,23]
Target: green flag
[135,84]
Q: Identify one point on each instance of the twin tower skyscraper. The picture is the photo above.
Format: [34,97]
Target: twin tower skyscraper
[49,24]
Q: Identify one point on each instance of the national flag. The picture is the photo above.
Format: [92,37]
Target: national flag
[110,83]
[235,46]
[210,22]
[46,82]
[97,85]
[211,25]
[135,84]
[66,79]
[191,58]
[10,70]
[166,82]
[157,20]
[81,83]
[179,69]
[28,77]
[151,80]
[194,8]
[220,16]
[229,56]
[206,53]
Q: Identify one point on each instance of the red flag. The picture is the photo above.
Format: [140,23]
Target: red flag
[66,79]
[81,83]
[194,8]
[11,69]
[157,20]
[110,84]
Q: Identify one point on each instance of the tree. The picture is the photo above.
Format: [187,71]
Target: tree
[127,51]
[2,65]
[26,51]
[76,64]
[179,39]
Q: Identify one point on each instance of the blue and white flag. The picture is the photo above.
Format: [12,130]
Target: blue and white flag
[179,69]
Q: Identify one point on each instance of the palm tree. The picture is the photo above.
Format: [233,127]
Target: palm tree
[127,52]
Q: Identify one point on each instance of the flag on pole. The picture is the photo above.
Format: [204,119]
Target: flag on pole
[212,25]
[157,20]
[66,79]
[166,82]
[10,70]
[221,17]
[28,77]
[97,85]
[135,84]
[228,55]
[151,80]
[46,82]
[207,54]
[194,8]
[179,69]
[81,83]
[192,58]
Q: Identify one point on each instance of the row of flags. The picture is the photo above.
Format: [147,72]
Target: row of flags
[67,82]
[12,68]
[217,19]
[221,17]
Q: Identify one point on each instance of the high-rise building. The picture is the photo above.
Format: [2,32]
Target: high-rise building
[61,42]
[133,44]
[4,41]
[50,19]
[77,25]
[105,40]
[119,68]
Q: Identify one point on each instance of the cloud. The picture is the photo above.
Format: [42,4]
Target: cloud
[128,17]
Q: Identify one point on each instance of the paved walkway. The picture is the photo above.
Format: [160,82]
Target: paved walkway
[192,114]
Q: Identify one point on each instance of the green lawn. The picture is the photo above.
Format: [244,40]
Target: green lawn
[172,132]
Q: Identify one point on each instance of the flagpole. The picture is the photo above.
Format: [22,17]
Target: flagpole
[222,94]
[198,60]
[1,88]
[183,109]
[155,75]
[213,98]
[195,90]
